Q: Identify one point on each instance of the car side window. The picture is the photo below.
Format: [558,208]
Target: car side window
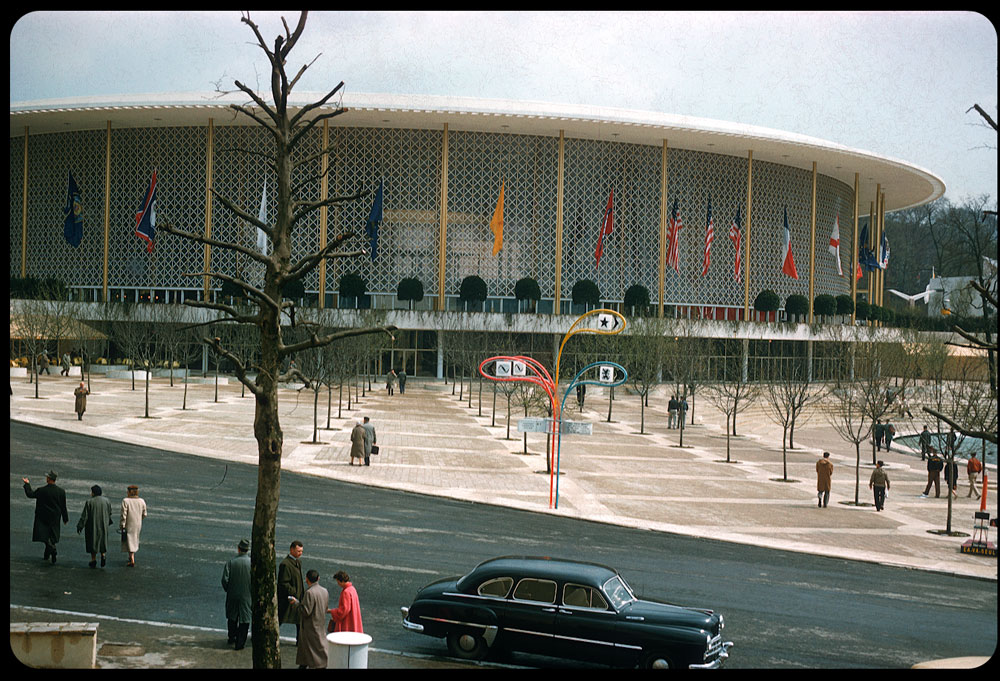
[496,588]
[583,597]
[536,590]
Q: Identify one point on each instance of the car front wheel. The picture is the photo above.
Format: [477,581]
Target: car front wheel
[656,660]
[467,646]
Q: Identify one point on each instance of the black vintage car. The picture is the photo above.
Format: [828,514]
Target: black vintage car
[564,609]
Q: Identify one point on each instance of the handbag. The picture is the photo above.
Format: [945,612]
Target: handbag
[374,450]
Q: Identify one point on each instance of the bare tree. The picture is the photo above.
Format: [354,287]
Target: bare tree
[642,351]
[788,391]
[732,392]
[293,166]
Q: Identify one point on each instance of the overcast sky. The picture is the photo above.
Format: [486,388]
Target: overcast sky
[896,84]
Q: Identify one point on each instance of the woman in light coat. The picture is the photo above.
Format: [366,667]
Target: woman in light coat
[133,511]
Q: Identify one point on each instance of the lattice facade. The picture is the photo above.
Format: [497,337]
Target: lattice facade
[409,162]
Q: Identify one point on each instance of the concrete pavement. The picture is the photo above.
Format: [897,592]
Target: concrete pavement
[432,443]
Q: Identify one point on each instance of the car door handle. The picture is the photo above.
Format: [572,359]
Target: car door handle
[548,609]
[565,612]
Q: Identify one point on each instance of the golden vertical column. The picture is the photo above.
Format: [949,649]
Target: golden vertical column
[746,258]
[443,227]
[107,205]
[207,280]
[854,252]
[663,230]
[881,229]
[812,247]
[560,177]
[24,209]
[871,231]
[876,236]
[324,189]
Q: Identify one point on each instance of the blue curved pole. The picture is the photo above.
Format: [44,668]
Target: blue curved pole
[575,382]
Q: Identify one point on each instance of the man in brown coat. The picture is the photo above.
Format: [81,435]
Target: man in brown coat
[81,400]
[824,475]
[313,646]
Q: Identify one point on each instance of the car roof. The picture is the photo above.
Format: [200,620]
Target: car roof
[542,566]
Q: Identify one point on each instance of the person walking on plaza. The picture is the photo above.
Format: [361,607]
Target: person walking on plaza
[370,438]
[312,607]
[65,365]
[290,586]
[951,475]
[43,364]
[402,381]
[879,482]
[358,443]
[347,615]
[934,466]
[81,400]
[890,432]
[925,443]
[973,467]
[879,431]
[824,476]
[94,522]
[390,381]
[133,511]
[236,584]
[672,406]
[50,505]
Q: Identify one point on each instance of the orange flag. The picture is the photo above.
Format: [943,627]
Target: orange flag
[496,224]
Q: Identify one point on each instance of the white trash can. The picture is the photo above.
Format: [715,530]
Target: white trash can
[348,650]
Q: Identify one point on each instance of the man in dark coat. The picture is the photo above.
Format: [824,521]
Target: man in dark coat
[236,584]
[290,587]
[95,519]
[50,504]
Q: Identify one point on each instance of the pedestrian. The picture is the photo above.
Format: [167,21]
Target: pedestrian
[824,475]
[972,468]
[81,400]
[358,443]
[879,431]
[133,511]
[94,521]
[390,381]
[682,410]
[672,406]
[236,584]
[65,365]
[950,444]
[879,482]
[890,432]
[290,586]
[312,607]
[347,615]
[370,438]
[50,504]
[43,364]
[934,466]
[951,475]
[402,381]
[581,394]
[925,443]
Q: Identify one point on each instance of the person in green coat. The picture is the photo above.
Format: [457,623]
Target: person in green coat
[94,520]
[236,584]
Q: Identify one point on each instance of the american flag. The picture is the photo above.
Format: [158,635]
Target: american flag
[709,237]
[736,236]
[675,226]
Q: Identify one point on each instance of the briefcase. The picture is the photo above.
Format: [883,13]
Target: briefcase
[374,450]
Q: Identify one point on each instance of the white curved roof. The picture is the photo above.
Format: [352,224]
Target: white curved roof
[904,184]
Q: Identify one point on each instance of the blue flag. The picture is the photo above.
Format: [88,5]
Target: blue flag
[866,257]
[145,217]
[73,221]
[375,217]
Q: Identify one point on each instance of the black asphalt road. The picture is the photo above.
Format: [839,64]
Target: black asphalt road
[782,609]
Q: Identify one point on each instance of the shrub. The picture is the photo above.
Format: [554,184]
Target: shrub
[637,296]
[845,305]
[472,290]
[797,305]
[766,301]
[527,289]
[585,292]
[825,305]
[410,289]
[863,310]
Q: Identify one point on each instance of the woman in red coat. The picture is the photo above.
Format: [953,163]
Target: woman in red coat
[347,615]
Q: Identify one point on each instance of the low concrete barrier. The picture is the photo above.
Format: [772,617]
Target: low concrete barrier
[55,645]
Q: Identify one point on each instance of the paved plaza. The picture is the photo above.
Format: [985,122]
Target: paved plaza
[432,443]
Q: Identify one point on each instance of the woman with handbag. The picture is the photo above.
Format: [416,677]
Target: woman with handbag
[133,511]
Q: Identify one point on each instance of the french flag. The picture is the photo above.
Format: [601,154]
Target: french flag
[788,262]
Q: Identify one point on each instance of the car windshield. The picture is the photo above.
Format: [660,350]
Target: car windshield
[618,592]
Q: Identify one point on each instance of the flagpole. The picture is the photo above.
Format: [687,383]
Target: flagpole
[24,216]
[876,237]
[746,259]
[871,275]
[443,226]
[107,205]
[208,206]
[663,227]
[854,260]
[881,221]
[557,293]
[812,246]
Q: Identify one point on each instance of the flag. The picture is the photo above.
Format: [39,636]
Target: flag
[788,261]
[145,217]
[709,237]
[835,244]
[73,220]
[675,226]
[496,224]
[866,257]
[736,236]
[606,226]
[883,256]
[375,217]
[262,216]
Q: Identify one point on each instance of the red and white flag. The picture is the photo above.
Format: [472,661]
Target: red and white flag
[709,237]
[787,261]
[606,226]
[675,226]
[736,236]
[835,244]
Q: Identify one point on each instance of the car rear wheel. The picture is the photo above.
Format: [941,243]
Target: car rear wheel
[467,645]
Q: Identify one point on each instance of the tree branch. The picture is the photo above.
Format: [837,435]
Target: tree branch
[216,344]
[315,341]
[982,434]
[191,236]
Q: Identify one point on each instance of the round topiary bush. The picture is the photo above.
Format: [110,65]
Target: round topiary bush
[472,290]
[766,301]
[825,305]
[410,289]
[637,296]
[585,292]
[796,305]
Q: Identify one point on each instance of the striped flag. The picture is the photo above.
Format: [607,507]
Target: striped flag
[787,260]
[145,217]
[675,227]
[606,226]
[835,244]
[736,236]
[709,237]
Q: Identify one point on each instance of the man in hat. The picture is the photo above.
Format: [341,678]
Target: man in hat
[236,584]
[50,504]
[95,519]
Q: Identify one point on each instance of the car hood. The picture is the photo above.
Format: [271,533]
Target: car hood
[652,611]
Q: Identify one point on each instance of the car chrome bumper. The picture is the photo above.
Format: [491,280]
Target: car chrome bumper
[407,624]
[717,662]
